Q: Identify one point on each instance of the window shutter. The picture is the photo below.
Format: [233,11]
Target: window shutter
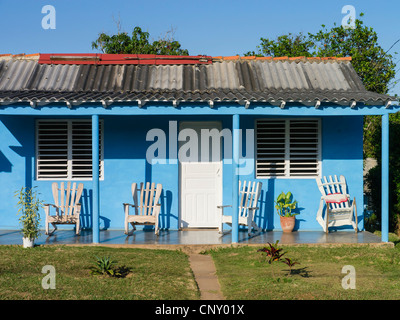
[52,149]
[82,149]
[270,148]
[304,147]
[64,149]
[287,148]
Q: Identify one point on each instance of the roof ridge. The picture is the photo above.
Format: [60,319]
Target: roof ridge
[284,58]
[37,56]
[20,56]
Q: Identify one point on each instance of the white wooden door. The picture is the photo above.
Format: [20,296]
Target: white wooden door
[200,182]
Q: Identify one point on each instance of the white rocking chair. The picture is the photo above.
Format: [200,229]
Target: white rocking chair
[66,203]
[146,206]
[249,194]
[340,211]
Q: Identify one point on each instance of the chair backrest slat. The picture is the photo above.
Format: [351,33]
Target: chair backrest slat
[146,203]
[66,199]
[135,198]
[147,199]
[71,199]
[66,203]
[249,195]
[140,205]
[62,194]
[54,188]
[150,204]
[242,188]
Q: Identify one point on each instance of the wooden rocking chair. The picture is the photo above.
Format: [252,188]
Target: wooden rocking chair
[146,206]
[340,211]
[67,206]
[249,194]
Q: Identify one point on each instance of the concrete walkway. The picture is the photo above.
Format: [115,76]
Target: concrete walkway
[205,275]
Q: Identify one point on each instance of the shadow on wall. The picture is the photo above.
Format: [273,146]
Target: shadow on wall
[86,209]
[265,216]
[87,212]
[16,145]
[5,164]
[165,213]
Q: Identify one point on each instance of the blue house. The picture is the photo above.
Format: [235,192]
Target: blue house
[194,124]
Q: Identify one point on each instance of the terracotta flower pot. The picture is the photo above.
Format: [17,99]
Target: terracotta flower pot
[287,223]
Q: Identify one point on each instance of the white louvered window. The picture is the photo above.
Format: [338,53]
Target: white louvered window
[288,148]
[64,149]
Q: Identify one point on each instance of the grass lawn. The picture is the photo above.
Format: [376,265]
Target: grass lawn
[244,274]
[166,275]
[154,274]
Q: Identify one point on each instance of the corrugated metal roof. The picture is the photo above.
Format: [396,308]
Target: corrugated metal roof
[258,80]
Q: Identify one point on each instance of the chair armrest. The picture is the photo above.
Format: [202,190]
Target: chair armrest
[50,204]
[129,204]
[222,209]
[47,208]
[253,208]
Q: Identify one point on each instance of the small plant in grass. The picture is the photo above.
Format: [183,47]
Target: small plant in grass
[106,266]
[290,263]
[275,254]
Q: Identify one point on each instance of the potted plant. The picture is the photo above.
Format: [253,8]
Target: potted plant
[28,210]
[284,206]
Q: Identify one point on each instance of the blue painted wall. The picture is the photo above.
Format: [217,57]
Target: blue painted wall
[125,162]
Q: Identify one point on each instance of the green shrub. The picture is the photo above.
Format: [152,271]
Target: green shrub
[373,178]
[28,211]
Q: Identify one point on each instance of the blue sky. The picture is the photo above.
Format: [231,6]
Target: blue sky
[211,27]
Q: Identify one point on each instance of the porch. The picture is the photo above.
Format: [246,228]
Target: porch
[199,237]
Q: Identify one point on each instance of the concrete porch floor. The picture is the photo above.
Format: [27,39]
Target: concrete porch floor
[193,237]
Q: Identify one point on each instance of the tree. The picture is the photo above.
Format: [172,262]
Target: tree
[285,45]
[138,44]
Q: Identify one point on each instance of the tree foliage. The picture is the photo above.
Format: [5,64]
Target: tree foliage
[373,178]
[138,43]
[290,45]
